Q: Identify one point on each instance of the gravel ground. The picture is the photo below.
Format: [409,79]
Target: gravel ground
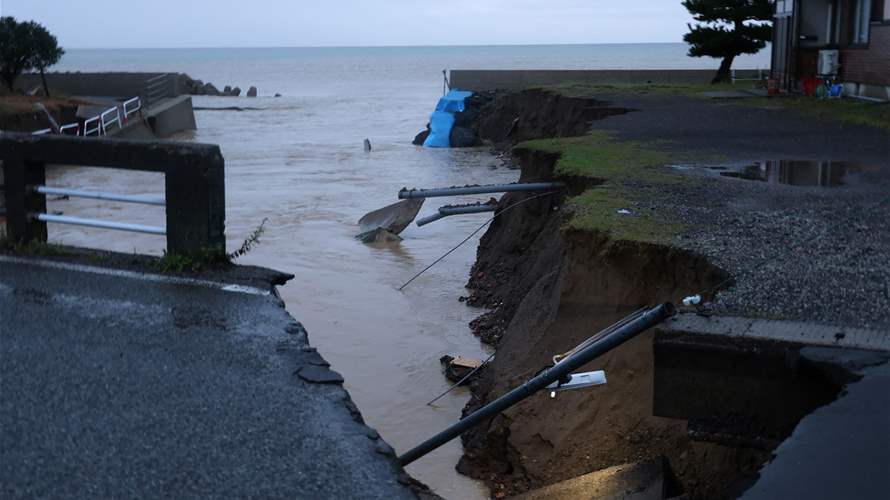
[795,252]
[813,254]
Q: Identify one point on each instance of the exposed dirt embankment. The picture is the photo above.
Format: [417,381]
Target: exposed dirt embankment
[530,114]
[17,113]
[549,288]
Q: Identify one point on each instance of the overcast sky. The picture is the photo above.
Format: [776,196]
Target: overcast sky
[279,23]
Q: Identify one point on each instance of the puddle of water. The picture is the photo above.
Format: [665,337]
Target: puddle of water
[825,173]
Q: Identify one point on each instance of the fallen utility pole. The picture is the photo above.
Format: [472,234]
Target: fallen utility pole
[560,371]
[448,210]
[405,193]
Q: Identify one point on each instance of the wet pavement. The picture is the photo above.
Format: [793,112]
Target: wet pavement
[121,385]
[841,450]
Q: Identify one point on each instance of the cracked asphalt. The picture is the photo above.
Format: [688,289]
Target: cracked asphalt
[116,387]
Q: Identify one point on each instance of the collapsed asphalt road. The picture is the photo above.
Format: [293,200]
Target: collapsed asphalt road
[117,386]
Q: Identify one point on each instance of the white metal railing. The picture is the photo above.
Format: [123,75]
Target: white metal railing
[110,116]
[63,130]
[87,131]
[131,106]
[99,124]
[98,195]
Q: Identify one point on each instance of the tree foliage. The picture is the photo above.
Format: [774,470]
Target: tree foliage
[726,29]
[25,46]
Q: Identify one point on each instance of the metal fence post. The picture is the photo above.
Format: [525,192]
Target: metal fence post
[22,201]
[196,205]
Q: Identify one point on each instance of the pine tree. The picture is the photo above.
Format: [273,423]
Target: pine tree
[726,29]
[25,46]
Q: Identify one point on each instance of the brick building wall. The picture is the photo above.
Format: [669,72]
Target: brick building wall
[869,65]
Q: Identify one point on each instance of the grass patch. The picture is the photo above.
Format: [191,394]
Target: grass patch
[630,172]
[32,248]
[597,209]
[205,259]
[851,111]
[597,155]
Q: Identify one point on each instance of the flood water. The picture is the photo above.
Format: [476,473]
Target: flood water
[299,163]
[386,343]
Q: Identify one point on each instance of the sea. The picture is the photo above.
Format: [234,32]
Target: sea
[296,165]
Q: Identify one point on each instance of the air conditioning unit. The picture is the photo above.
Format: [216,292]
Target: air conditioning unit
[829,62]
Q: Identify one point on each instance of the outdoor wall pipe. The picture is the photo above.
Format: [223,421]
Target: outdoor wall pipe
[565,367]
[405,194]
[457,210]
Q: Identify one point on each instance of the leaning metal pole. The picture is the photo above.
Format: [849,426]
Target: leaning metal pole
[486,189]
[633,328]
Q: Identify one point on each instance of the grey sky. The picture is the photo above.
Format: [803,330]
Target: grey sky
[264,23]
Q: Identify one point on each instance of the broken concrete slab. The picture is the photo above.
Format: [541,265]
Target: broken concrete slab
[778,330]
[637,481]
[394,218]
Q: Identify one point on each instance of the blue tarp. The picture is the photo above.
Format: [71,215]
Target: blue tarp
[442,119]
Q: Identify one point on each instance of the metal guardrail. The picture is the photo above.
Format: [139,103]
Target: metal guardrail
[111,116]
[97,195]
[63,130]
[194,185]
[99,124]
[131,106]
[97,129]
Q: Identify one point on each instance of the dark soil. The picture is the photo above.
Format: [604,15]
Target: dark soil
[549,288]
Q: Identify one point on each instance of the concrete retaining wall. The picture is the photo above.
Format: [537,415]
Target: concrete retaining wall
[481,80]
[171,117]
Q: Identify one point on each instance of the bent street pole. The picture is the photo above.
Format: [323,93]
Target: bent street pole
[645,321]
[405,194]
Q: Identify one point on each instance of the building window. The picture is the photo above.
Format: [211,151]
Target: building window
[785,7]
[861,21]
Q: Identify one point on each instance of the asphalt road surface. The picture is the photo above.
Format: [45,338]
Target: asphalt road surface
[117,385]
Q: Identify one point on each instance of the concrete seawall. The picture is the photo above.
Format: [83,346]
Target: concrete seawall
[482,80]
[114,84]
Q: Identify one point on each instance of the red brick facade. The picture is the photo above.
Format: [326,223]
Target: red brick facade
[869,65]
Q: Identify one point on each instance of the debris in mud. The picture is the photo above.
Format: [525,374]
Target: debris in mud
[458,368]
[379,235]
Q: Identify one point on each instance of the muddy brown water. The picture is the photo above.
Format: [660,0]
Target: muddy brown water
[385,342]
